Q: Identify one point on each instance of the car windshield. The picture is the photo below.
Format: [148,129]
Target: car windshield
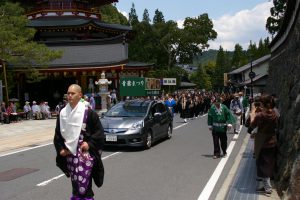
[129,109]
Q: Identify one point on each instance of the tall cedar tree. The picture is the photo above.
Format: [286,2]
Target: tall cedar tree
[158,17]
[133,17]
[146,17]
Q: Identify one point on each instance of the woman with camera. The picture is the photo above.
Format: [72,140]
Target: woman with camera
[266,122]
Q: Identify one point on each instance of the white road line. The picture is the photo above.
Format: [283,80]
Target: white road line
[206,192]
[177,127]
[203,115]
[236,136]
[210,185]
[30,148]
[113,154]
[26,149]
[44,183]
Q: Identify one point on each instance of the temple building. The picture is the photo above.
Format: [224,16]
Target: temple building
[89,46]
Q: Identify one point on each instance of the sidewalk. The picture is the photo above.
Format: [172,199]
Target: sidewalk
[243,183]
[26,134]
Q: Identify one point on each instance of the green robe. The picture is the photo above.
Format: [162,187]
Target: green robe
[223,116]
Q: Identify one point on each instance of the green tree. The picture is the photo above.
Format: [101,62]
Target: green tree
[196,34]
[275,21]
[221,62]
[201,78]
[17,47]
[133,17]
[168,35]
[252,51]
[263,47]
[110,14]
[146,17]
[239,57]
[158,17]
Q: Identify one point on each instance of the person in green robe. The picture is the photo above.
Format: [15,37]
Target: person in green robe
[219,120]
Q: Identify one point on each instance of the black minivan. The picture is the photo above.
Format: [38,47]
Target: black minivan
[137,123]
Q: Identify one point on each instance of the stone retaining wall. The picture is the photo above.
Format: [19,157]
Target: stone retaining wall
[284,81]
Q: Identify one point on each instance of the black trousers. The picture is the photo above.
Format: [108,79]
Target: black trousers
[265,163]
[243,118]
[219,137]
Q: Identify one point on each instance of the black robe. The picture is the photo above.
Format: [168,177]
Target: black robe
[94,137]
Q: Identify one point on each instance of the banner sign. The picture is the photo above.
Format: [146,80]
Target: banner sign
[139,86]
[169,81]
[152,84]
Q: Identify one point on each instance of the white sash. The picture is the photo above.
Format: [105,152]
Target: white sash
[70,125]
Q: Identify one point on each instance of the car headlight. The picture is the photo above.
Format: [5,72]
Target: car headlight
[137,125]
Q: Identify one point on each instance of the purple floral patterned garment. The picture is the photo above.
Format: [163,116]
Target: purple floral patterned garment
[80,166]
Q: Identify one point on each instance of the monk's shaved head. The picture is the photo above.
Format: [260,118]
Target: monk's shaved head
[74,95]
[76,87]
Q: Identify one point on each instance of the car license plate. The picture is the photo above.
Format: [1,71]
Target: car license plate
[111,138]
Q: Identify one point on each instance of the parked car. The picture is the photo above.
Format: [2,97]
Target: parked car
[137,123]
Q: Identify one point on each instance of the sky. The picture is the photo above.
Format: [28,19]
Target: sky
[235,21]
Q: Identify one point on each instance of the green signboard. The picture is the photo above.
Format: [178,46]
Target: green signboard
[139,86]
[132,86]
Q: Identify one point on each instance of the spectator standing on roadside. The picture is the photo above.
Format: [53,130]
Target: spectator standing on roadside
[79,137]
[237,109]
[265,141]
[245,104]
[219,120]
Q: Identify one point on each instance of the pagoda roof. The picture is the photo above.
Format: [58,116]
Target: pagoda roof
[94,2]
[67,22]
[136,64]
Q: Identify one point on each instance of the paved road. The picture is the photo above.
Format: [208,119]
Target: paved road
[179,169]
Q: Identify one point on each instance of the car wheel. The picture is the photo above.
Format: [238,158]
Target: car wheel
[169,133]
[148,140]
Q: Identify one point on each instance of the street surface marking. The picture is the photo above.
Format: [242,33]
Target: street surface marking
[44,183]
[210,185]
[177,127]
[26,149]
[203,115]
[50,180]
[236,136]
[206,192]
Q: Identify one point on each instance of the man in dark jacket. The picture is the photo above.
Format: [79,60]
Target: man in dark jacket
[78,140]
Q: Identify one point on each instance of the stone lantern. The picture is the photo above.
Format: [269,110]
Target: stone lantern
[103,91]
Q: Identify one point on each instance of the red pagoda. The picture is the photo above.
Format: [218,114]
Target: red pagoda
[89,45]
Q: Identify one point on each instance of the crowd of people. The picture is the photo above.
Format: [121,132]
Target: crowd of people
[227,111]
[224,111]
[10,113]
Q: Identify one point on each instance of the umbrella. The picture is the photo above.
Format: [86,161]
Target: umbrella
[13,99]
